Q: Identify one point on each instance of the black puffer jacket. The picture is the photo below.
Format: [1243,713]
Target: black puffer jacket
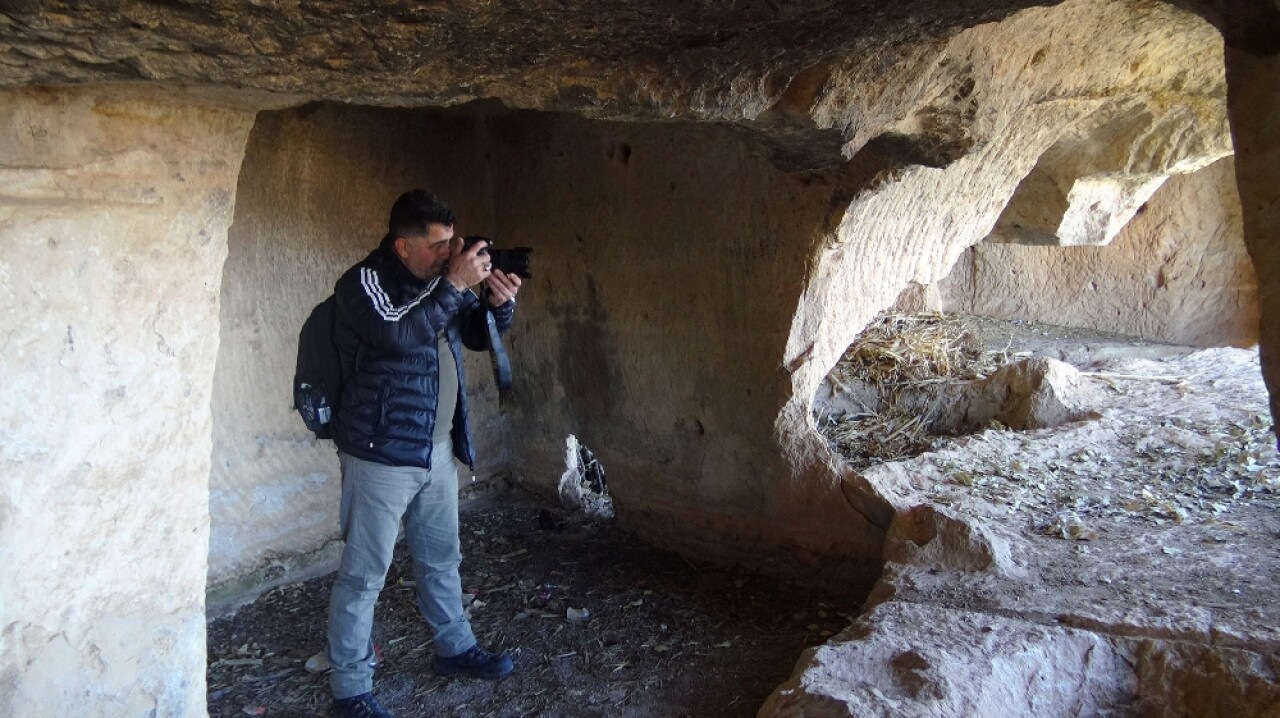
[386,330]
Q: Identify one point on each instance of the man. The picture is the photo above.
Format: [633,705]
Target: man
[401,427]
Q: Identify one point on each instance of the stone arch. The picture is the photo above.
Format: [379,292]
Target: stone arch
[908,222]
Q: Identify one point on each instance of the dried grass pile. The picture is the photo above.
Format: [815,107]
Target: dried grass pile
[910,349]
[905,358]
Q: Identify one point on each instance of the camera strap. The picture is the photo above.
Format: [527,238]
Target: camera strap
[497,353]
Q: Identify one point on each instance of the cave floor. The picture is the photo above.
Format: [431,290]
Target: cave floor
[1155,518]
[664,636]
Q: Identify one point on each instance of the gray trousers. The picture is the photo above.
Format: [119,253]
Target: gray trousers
[375,498]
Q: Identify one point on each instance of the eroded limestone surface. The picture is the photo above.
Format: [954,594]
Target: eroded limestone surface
[602,58]
[1178,272]
[113,212]
[903,659]
[1120,565]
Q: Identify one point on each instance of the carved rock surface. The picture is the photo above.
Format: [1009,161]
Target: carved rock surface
[611,343]
[1122,615]
[602,58]
[910,660]
[1178,272]
[312,198]
[113,217]
[909,223]
[1254,104]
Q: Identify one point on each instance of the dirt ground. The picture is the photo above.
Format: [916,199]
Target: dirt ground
[663,636]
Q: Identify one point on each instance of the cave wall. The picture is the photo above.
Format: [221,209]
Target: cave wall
[1178,272]
[114,209]
[668,261]
[315,189]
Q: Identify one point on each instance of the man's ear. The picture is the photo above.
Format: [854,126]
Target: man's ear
[401,247]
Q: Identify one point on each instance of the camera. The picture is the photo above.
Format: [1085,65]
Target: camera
[510,261]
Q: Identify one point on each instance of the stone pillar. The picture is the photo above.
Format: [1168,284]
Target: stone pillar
[113,218]
[1253,104]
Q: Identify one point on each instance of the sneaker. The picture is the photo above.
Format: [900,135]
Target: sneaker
[361,706]
[475,662]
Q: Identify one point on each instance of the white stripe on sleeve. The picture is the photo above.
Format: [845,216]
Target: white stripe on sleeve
[382,302]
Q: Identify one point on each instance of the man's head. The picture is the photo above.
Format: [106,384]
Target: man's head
[421,233]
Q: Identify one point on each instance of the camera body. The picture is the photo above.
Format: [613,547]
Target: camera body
[510,261]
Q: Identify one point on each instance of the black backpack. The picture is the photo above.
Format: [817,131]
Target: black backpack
[317,382]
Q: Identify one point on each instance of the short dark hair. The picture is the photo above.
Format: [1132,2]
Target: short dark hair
[415,210]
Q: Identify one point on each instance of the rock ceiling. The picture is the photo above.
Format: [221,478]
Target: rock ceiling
[699,59]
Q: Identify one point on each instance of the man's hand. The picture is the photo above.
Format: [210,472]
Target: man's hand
[468,268]
[502,287]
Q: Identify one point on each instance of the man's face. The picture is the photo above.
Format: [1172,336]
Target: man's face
[427,255]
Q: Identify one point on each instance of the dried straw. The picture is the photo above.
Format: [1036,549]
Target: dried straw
[897,349]
[903,354]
